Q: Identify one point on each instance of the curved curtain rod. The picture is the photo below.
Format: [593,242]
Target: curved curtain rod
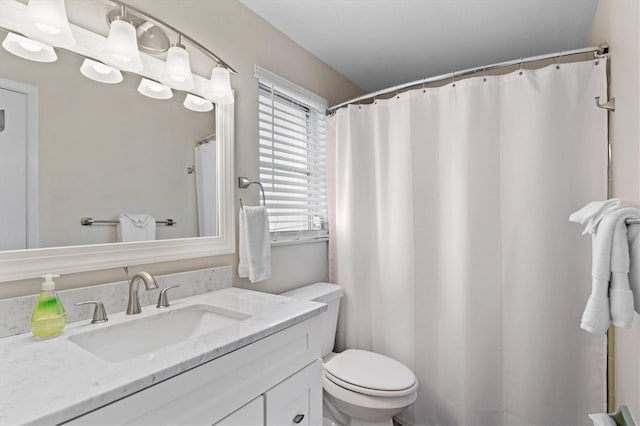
[599,52]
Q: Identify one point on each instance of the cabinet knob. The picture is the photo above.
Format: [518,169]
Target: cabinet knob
[298,418]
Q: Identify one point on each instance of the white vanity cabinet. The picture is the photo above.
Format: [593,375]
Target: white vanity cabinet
[297,400]
[276,380]
[251,414]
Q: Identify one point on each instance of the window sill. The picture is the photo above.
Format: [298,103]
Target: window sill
[291,242]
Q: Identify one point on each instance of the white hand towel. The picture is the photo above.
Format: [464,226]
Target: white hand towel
[598,312]
[593,213]
[602,419]
[620,295]
[136,227]
[255,244]
[633,234]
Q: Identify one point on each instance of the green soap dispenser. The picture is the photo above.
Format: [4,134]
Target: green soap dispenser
[48,317]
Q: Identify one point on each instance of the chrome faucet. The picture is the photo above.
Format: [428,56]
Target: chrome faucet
[133,307]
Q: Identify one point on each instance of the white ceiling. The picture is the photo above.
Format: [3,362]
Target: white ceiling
[381,43]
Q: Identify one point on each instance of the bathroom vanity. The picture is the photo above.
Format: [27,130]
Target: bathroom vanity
[228,357]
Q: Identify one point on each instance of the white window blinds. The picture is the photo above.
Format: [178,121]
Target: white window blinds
[292,161]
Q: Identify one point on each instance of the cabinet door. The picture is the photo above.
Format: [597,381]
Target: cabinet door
[251,414]
[297,400]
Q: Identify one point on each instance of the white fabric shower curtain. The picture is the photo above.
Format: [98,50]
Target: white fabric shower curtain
[451,238]
[206,166]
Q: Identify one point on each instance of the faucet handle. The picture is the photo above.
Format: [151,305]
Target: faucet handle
[99,313]
[163,302]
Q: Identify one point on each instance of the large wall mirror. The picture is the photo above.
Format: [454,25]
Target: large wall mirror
[72,148]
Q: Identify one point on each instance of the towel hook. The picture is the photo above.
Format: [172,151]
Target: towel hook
[610,105]
[244,183]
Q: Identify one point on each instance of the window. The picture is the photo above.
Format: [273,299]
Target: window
[292,158]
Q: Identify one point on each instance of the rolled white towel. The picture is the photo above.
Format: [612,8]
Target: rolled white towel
[620,295]
[602,419]
[592,214]
[596,317]
[633,235]
[604,305]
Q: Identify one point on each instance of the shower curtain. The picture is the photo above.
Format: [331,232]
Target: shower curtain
[207,188]
[450,237]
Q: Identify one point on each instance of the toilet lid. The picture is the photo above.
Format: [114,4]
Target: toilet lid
[366,369]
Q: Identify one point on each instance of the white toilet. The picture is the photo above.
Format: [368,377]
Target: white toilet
[360,387]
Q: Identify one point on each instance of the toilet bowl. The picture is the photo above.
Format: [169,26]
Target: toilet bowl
[360,387]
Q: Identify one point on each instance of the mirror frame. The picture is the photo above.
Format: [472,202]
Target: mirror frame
[31,263]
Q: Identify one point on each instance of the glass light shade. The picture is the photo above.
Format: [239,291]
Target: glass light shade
[100,72]
[29,49]
[47,22]
[227,99]
[154,90]
[196,103]
[220,85]
[121,48]
[177,71]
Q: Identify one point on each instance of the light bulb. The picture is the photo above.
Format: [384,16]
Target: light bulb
[154,90]
[47,22]
[177,72]
[29,49]
[121,48]
[220,85]
[100,72]
[196,103]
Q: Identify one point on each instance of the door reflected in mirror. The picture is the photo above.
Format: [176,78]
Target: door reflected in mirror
[103,151]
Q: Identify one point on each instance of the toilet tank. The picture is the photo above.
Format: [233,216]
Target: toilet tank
[323,293]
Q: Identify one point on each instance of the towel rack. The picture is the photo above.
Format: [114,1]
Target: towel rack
[244,182]
[90,221]
[633,221]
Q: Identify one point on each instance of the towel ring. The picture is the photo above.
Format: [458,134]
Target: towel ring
[244,183]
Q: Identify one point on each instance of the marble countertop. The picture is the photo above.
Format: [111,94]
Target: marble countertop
[54,380]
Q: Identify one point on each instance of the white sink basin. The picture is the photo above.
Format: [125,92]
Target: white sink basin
[121,342]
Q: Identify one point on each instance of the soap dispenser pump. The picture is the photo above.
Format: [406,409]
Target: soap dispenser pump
[49,316]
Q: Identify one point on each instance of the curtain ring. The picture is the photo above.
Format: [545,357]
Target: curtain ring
[559,60]
[521,59]
[424,85]
[484,73]
[397,95]
[453,79]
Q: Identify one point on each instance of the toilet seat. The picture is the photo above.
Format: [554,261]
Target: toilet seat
[369,391]
[369,373]
[349,401]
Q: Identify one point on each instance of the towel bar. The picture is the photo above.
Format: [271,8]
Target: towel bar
[633,221]
[244,182]
[90,221]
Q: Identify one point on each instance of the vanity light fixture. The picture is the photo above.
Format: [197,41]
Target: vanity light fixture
[177,72]
[35,27]
[47,22]
[154,90]
[121,47]
[29,49]
[100,72]
[197,104]
[220,86]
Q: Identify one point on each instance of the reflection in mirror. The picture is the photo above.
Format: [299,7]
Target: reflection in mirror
[103,151]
